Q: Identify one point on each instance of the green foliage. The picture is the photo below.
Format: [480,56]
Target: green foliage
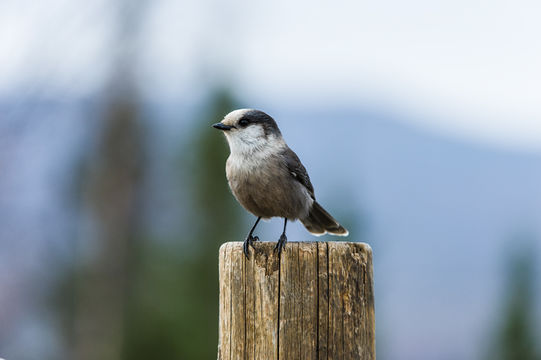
[516,338]
[173,312]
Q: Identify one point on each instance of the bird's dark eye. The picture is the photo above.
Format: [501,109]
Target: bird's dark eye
[243,122]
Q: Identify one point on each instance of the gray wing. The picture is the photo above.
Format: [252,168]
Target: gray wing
[297,170]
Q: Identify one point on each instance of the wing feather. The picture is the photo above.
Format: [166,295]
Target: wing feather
[297,170]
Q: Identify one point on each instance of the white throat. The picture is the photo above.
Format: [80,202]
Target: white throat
[252,142]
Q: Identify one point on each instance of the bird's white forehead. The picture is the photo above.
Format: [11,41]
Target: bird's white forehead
[234,116]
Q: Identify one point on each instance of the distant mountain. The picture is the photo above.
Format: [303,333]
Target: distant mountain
[440,213]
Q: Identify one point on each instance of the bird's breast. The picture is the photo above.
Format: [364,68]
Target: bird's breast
[265,187]
[248,174]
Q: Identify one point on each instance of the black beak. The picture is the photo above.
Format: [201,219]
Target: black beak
[221,126]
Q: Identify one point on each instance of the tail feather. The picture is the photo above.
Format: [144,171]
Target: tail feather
[320,222]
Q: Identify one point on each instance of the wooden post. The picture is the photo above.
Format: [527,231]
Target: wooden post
[315,301]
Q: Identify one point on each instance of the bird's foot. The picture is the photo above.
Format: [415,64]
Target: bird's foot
[281,244]
[247,243]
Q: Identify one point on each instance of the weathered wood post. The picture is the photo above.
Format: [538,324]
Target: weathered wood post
[315,301]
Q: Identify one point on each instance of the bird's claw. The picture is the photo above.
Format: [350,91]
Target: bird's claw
[281,244]
[247,243]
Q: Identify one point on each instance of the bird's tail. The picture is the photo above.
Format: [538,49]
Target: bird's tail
[320,222]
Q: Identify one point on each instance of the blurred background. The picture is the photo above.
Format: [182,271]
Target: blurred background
[419,122]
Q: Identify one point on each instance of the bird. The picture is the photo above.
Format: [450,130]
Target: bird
[268,179]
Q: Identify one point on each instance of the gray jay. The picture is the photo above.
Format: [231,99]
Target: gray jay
[268,179]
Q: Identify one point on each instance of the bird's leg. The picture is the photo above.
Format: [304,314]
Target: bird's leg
[281,244]
[250,239]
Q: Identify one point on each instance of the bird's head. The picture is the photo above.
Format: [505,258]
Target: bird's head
[248,131]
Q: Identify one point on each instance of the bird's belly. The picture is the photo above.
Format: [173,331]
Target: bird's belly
[268,191]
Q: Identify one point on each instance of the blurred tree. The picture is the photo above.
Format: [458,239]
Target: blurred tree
[174,309]
[516,338]
[112,195]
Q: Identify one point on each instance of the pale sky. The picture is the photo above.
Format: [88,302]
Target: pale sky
[469,69]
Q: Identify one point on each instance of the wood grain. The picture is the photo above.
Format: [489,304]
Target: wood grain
[315,301]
